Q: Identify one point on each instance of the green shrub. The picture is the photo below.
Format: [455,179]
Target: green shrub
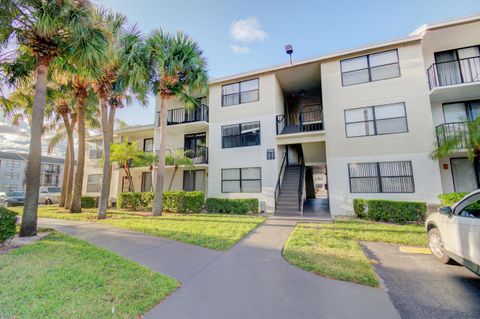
[183,202]
[133,201]
[231,206]
[360,207]
[89,202]
[8,221]
[451,199]
[391,211]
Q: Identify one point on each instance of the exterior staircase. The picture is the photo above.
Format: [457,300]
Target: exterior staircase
[287,203]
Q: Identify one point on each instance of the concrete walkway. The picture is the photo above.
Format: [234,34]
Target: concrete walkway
[251,280]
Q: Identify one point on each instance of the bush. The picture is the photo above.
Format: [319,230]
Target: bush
[451,199]
[360,207]
[89,202]
[8,221]
[232,206]
[183,202]
[135,200]
[391,211]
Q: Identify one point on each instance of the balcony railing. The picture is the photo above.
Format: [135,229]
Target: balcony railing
[454,72]
[300,122]
[182,115]
[199,155]
[453,133]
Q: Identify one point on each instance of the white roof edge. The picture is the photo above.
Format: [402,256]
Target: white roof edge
[415,35]
[126,130]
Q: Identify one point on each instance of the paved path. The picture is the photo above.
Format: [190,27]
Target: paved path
[422,288]
[249,281]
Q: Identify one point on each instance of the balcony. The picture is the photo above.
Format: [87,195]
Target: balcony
[182,115]
[199,155]
[301,122]
[453,80]
[455,133]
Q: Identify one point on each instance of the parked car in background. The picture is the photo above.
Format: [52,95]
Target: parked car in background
[12,198]
[49,195]
[454,232]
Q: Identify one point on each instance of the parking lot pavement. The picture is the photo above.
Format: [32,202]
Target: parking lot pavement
[421,287]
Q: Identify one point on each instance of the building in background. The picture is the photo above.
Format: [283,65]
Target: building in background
[13,168]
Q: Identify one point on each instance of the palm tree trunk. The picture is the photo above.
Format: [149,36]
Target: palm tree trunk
[103,205]
[175,169]
[157,198]
[76,205]
[66,168]
[29,217]
[131,187]
[111,123]
[69,127]
[151,177]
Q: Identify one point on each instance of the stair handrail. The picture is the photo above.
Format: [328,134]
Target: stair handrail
[301,186]
[278,188]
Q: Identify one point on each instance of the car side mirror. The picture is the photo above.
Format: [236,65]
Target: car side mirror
[445,210]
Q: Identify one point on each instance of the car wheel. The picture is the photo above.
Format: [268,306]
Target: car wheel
[437,248]
[48,201]
[7,204]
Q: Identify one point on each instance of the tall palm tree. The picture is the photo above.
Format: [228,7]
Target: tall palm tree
[125,72]
[46,30]
[179,71]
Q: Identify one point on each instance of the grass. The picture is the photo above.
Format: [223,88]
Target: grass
[214,231]
[333,250]
[64,277]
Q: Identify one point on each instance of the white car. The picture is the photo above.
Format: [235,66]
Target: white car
[49,195]
[454,232]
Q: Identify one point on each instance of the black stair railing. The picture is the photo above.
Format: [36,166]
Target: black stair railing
[301,185]
[278,188]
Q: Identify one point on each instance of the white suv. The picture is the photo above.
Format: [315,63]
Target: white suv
[454,232]
[49,195]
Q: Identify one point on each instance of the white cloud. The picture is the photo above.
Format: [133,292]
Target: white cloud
[247,30]
[239,49]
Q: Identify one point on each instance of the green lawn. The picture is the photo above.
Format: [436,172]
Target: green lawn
[333,250]
[64,277]
[219,232]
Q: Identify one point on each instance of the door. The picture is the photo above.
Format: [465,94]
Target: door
[194,180]
[464,175]
[448,68]
[147,182]
[469,59]
[467,218]
[195,147]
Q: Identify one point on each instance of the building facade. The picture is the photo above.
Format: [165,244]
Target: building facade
[13,167]
[360,123]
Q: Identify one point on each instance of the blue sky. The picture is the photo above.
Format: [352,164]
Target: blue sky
[238,36]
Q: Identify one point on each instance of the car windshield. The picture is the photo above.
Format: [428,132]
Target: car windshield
[54,190]
[14,194]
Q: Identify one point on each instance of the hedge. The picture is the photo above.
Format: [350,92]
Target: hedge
[176,201]
[8,221]
[183,202]
[231,206]
[89,202]
[389,210]
[451,199]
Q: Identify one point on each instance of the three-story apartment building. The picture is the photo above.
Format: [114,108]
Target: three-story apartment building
[360,123]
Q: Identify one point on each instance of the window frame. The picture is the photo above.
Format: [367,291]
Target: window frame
[468,109]
[369,68]
[98,151]
[239,136]
[99,184]
[145,142]
[240,180]
[194,172]
[379,178]
[239,83]
[374,119]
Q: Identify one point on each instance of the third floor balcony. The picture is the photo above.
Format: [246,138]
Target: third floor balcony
[301,122]
[183,115]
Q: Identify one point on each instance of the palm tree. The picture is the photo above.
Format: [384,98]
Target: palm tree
[178,71]
[177,158]
[125,72]
[124,155]
[466,136]
[46,30]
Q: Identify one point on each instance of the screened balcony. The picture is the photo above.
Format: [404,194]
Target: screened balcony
[454,72]
[182,115]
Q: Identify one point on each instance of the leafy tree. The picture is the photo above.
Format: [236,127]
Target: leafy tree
[147,159]
[176,158]
[178,71]
[124,155]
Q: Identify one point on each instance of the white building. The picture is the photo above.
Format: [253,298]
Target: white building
[13,167]
[365,120]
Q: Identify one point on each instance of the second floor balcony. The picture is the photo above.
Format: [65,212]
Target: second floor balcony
[301,122]
[183,115]
[454,72]
[198,154]
[455,134]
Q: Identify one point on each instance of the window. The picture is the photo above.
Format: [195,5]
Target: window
[240,92]
[458,65]
[242,180]
[381,177]
[96,150]
[372,67]
[12,175]
[376,120]
[472,210]
[148,145]
[94,183]
[270,154]
[240,135]
[461,111]
[12,164]
[464,173]
[194,180]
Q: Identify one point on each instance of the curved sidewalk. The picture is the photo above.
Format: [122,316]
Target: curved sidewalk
[251,280]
